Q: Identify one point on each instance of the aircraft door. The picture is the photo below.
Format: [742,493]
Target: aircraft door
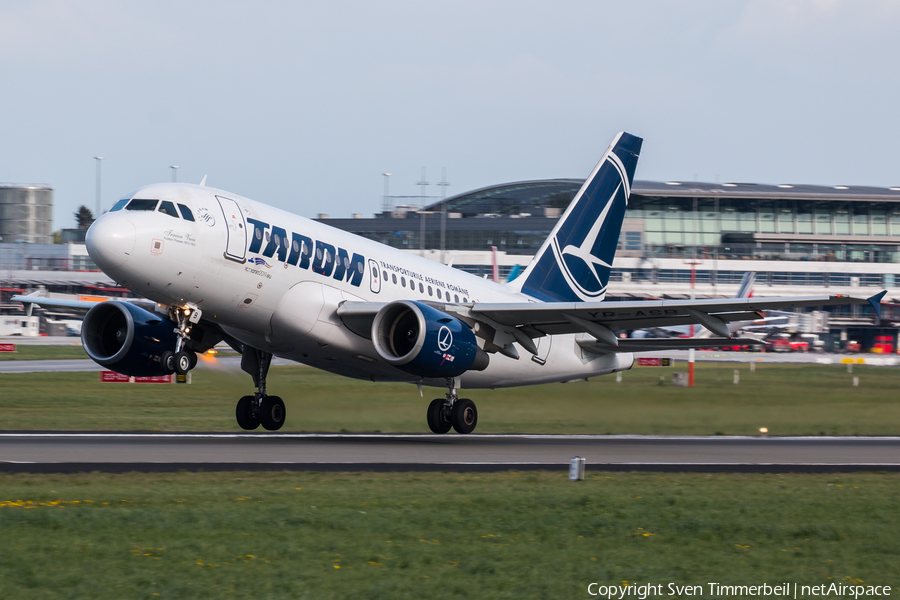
[236,228]
[374,276]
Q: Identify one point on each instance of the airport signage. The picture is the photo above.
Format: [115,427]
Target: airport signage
[113,377]
[648,361]
[7,347]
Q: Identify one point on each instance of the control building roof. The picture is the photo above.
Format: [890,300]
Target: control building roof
[532,197]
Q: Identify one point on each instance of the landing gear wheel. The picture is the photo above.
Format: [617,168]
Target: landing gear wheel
[272,413]
[244,413]
[193,356]
[464,416]
[182,362]
[437,422]
[167,362]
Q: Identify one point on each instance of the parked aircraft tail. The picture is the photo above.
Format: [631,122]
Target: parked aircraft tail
[746,289]
[575,260]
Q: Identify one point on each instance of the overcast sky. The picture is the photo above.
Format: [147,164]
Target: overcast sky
[305,105]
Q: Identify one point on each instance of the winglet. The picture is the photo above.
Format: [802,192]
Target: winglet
[203,181]
[875,301]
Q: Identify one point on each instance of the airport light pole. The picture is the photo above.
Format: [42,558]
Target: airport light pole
[386,202]
[422,183]
[443,183]
[691,351]
[174,173]
[99,160]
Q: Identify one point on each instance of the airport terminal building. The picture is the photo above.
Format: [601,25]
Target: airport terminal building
[798,239]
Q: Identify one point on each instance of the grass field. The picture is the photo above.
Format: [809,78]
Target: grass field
[787,399]
[526,535]
[45,352]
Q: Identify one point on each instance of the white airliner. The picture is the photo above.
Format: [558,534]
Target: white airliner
[217,266]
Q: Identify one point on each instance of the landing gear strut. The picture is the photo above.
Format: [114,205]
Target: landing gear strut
[181,360]
[450,411]
[259,409]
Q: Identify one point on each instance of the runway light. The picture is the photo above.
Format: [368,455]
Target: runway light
[764,430]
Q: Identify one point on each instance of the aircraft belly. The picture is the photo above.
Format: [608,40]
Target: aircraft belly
[350,360]
[566,361]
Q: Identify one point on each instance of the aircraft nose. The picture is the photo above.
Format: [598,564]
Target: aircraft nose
[110,241]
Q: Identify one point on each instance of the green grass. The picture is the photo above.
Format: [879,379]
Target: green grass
[46,352]
[787,399]
[508,535]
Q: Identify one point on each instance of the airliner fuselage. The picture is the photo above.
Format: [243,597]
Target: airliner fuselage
[274,281]
[270,283]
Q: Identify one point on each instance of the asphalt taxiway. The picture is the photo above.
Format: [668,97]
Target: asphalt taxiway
[160,452]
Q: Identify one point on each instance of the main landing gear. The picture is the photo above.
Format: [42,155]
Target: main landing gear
[259,409]
[450,411]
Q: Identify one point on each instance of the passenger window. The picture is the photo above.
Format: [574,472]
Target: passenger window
[142,204]
[465,299]
[429,290]
[403,281]
[119,205]
[186,212]
[456,298]
[394,279]
[167,208]
[385,275]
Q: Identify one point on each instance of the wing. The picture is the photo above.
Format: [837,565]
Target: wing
[602,319]
[502,324]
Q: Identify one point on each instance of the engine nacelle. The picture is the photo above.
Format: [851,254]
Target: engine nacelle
[127,338]
[425,341]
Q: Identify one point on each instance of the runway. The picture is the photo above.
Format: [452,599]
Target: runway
[55,452]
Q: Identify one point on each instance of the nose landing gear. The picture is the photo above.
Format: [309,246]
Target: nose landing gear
[259,409]
[450,411]
[181,360]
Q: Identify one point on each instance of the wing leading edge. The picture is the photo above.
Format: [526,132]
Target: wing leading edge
[521,322]
[601,318]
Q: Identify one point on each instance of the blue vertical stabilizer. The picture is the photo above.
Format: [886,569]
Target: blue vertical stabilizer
[575,260]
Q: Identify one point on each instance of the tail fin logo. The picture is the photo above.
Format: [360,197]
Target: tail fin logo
[584,271]
[575,261]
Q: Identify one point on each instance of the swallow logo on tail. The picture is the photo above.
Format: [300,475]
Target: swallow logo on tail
[575,261]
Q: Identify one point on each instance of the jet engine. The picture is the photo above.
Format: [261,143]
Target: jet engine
[425,341]
[126,338]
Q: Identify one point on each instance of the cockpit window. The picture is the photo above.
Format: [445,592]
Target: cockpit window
[119,205]
[186,212]
[167,208]
[142,204]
